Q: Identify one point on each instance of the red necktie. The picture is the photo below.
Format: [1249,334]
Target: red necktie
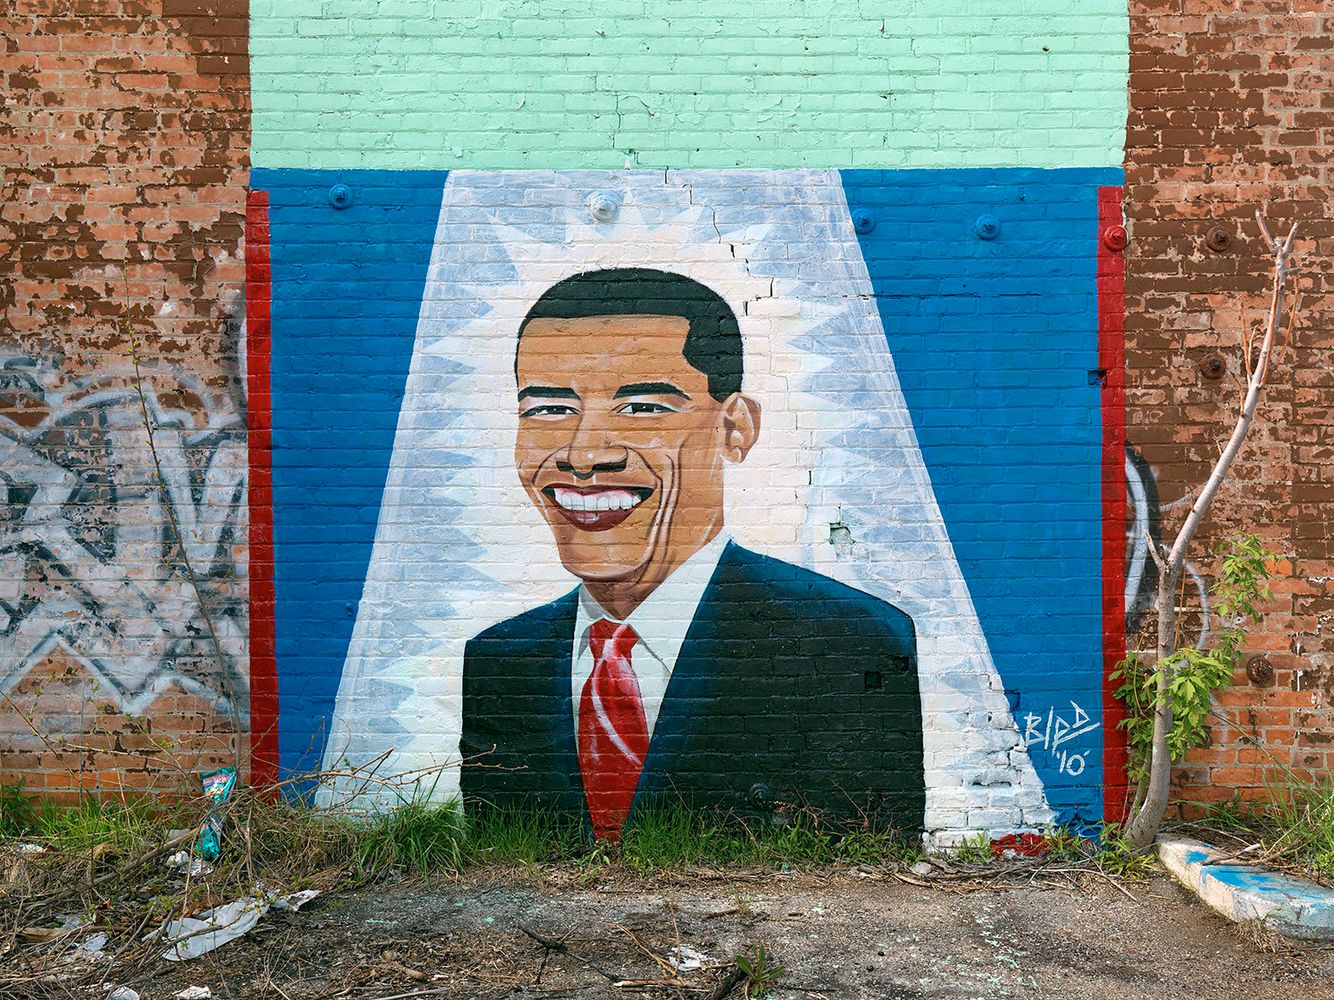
[613,735]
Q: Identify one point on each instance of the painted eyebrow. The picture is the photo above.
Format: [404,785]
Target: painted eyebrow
[649,389]
[547,392]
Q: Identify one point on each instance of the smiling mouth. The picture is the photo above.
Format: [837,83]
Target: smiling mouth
[596,508]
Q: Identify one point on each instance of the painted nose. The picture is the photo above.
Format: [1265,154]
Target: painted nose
[590,467]
[590,452]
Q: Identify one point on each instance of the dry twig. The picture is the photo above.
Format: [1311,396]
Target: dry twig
[561,948]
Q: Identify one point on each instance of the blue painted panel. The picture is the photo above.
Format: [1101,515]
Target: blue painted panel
[994,341]
[347,288]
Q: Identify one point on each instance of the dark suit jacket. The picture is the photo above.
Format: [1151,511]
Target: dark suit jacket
[789,687]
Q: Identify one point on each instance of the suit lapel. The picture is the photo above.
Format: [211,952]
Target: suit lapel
[552,647]
[691,688]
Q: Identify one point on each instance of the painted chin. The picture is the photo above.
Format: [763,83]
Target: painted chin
[595,508]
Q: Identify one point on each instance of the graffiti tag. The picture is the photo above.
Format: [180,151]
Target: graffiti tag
[1052,731]
[89,557]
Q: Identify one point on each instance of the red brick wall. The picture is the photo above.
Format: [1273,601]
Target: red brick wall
[125,129]
[1230,110]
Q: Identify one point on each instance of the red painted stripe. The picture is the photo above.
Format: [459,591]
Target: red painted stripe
[259,419]
[1112,358]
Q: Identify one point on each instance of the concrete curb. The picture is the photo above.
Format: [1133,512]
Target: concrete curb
[1243,892]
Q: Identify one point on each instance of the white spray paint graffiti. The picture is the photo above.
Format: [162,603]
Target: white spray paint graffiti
[88,558]
[1142,530]
[1053,730]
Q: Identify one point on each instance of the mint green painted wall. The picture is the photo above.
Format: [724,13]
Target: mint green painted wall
[416,84]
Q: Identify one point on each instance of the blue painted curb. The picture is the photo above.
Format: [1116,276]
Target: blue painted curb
[1244,892]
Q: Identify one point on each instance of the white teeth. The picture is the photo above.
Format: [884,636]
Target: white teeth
[604,500]
[570,500]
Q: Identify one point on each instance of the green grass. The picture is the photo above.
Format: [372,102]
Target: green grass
[424,838]
[667,838]
[523,837]
[92,824]
[418,837]
[288,840]
[1294,826]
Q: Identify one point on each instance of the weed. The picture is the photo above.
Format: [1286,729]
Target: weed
[864,847]
[1065,843]
[1294,826]
[1241,587]
[18,813]
[972,851]
[761,974]
[1118,856]
[1303,815]
[1233,814]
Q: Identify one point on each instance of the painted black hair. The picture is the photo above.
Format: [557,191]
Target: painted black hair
[713,345]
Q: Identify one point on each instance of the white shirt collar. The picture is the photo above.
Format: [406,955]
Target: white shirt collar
[661,623]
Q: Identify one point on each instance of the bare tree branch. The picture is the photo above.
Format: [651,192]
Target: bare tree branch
[1152,805]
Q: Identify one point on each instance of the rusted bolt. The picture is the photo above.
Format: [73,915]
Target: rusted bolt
[1219,239]
[1212,366]
[1114,237]
[1259,671]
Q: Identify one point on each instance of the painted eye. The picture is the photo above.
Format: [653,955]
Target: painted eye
[550,410]
[640,408]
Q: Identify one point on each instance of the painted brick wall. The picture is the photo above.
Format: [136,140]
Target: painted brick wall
[903,213]
[125,127]
[395,535]
[410,84]
[1230,109]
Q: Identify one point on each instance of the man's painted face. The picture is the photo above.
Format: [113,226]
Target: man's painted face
[620,445]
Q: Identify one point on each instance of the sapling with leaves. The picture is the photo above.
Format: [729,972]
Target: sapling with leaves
[1180,679]
[1197,671]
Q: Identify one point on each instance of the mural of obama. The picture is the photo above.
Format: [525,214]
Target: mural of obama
[684,666]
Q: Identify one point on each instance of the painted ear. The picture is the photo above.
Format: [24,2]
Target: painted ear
[741,426]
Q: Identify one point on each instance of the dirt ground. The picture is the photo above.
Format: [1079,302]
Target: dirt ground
[846,935]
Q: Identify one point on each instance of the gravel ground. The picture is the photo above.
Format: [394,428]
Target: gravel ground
[845,935]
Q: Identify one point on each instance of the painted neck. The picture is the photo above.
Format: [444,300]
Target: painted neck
[620,598]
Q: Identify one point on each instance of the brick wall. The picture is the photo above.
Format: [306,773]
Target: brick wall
[403,84]
[1230,108]
[125,126]
[904,215]
[129,129]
